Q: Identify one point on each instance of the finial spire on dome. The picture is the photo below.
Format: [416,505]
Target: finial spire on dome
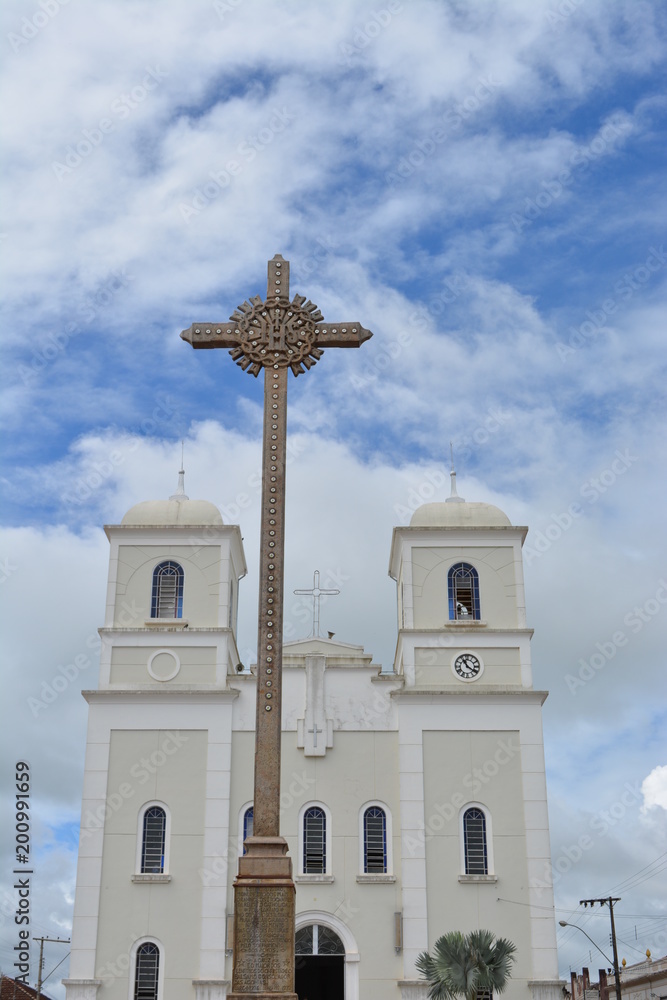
[453,496]
[180,489]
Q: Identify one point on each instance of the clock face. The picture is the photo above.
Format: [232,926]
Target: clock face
[467,666]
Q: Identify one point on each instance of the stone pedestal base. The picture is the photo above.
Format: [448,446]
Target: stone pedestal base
[264,898]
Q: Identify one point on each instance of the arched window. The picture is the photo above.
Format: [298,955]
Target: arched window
[316,939]
[474,842]
[147,971]
[153,841]
[167,596]
[314,841]
[375,841]
[463,588]
[248,824]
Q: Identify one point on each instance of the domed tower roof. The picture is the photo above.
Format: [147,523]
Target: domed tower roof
[461,515]
[456,512]
[178,509]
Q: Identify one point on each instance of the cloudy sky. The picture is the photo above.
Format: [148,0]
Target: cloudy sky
[479,184]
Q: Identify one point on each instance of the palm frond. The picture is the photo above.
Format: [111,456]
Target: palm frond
[465,965]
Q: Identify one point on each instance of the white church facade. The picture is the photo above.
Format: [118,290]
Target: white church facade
[413,797]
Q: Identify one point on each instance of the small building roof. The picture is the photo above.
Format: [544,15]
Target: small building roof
[14,989]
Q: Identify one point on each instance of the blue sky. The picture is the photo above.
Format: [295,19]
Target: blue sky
[482,185]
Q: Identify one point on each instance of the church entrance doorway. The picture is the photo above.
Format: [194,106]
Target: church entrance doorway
[320,964]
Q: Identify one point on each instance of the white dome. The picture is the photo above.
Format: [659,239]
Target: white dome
[459,515]
[173,512]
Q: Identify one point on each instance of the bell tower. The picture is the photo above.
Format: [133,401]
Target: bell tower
[461,603]
[151,894]
[475,827]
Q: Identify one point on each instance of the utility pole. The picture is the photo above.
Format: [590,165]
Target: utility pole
[609,901]
[41,959]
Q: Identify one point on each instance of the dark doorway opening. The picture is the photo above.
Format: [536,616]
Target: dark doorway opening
[320,977]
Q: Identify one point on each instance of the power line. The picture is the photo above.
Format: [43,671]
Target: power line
[661,860]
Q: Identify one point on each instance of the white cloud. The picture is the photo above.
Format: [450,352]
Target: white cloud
[654,789]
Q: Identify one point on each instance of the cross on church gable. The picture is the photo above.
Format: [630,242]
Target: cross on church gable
[317,594]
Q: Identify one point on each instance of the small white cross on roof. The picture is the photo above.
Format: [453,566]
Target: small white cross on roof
[317,593]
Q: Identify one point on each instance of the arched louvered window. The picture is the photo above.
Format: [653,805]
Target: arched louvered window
[153,841]
[314,841]
[248,824]
[375,841]
[167,596]
[474,842]
[463,590]
[146,972]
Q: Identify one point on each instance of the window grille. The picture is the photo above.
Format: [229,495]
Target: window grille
[314,841]
[316,939]
[463,588]
[146,972]
[375,841]
[152,848]
[328,942]
[167,595]
[474,842]
[248,824]
[303,942]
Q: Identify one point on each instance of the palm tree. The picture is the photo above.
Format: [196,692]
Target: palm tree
[467,965]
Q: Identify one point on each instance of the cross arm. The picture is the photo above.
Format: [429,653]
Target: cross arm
[342,335]
[209,335]
[212,335]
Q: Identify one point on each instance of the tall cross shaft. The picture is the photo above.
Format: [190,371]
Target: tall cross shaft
[274,334]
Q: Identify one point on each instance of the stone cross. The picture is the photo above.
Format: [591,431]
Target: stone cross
[274,334]
[316,592]
[315,730]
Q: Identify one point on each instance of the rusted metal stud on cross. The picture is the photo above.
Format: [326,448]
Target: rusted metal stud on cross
[275,335]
